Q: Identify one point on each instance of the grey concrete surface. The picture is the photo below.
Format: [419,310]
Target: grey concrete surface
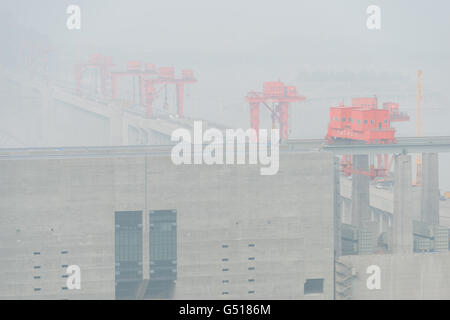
[402,226]
[430,189]
[360,191]
[402,276]
[281,225]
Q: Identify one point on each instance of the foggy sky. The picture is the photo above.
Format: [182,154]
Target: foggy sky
[233,46]
[328,31]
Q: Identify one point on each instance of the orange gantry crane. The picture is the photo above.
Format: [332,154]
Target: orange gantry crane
[150,80]
[137,73]
[364,122]
[99,65]
[276,97]
[166,76]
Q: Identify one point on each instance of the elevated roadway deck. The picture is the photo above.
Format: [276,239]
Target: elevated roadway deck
[410,144]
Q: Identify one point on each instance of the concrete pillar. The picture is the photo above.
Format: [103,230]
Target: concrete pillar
[402,227]
[146,228]
[429,210]
[360,192]
[346,208]
[337,208]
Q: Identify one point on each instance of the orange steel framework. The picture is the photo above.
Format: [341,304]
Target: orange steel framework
[276,97]
[166,77]
[135,71]
[97,62]
[364,122]
[147,76]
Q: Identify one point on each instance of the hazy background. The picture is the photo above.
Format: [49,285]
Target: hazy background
[323,47]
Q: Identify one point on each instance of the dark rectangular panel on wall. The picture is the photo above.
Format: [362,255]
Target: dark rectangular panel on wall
[128,252]
[163,245]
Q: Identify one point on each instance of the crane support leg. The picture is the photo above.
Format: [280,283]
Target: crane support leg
[180,99]
[283,110]
[254,116]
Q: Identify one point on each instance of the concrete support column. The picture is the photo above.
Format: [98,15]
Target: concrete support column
[337,208]
[346,209]
[429,210]
[402,229]
[360,191]
[146,228]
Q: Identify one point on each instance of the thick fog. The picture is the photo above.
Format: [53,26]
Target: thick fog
[322,47]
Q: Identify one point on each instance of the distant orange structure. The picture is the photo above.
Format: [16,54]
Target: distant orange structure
[364,122]
[150,80]
[361,121]
[97,62]
[276,97]
[149,77]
